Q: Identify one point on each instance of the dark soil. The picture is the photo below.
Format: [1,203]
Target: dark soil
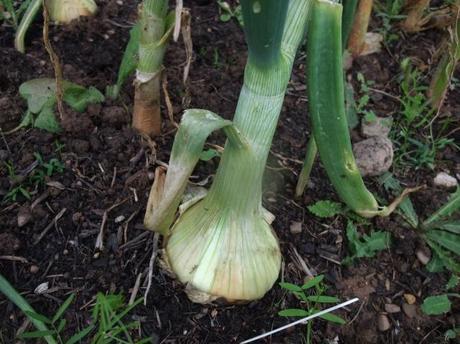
[109,168]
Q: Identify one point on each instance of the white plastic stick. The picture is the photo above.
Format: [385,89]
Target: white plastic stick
[302,321]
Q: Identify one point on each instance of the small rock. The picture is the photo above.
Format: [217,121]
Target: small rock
[119,219]
[374,155]
[383,323]
[42,288]
[34,269]
[379,126]
[296,227]
[409,310]
[392,308]
[424,256]
[24,216]
[410,299]
[444,180]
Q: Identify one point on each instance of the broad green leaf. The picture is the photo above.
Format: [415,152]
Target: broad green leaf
[294,312]
[453,227]
[448,209]
[38,317]
[46,120]
[435,305]
[38,92]
[435,264]
[446,256]
[322,299]
[325,208]
[453,282]
[313,282]
[36,334]
[366,245]
[448,240]
[80,335]
[78,97]
[333,318]
[350,106]
[63,308]
[452,333]
[290,287]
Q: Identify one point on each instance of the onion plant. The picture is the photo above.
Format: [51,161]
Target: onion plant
[156,26]
[60,11]
[223,245]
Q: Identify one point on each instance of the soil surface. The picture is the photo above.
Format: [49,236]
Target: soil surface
[108,170]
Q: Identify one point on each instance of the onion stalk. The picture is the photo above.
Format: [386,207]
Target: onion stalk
[60,11]
[223,246]
[156,26]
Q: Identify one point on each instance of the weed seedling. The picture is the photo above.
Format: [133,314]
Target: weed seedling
[311,297]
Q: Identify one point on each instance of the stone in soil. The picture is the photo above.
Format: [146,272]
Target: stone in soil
[445,180]
[374,155]
[409,310]
[392,308]
[296,227]
[383,323]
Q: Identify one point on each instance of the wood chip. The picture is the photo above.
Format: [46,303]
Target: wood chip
[392,308]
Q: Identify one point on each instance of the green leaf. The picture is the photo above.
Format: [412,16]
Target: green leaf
[333,318]
[80,335]
[350,106]
[294,312]
[209,154]
[63,308]
[313,282]
[448,240]
[446,256]
[38,317]
[435,305]
[325,208]
[78,97]
[38,92]
[36,334]
[452,333]
[290,287]
[453,282]
[128,63]
[453,227]
[61,325]
[322,299]
[366,245]
[436,264]
[46,120]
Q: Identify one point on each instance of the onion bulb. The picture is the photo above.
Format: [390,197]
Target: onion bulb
[64,11]
[220,253]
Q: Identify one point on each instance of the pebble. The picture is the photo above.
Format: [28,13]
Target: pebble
[374,156]
[119,219]
[410,299]
[392,308]
[296,227]
[445,180]
[24,216]
[380,126]
[422,256]
[383,323]
[34,269]
[409,310]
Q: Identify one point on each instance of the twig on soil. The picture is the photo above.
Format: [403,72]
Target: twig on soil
[169,106]
[330,259]
[50,225]
[156,236]
[357,313]
[299,261]
[113,177]
[134,241]
[187,37]
[15,259]
[177,24]
[100,237]
[54,60]
[135,289]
